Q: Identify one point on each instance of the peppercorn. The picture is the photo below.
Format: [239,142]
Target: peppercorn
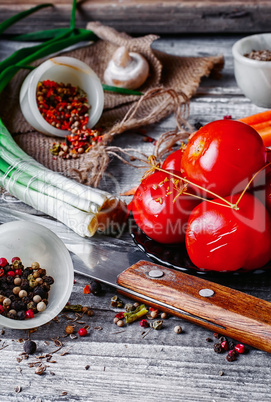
[120,323]
[157,324]
[116,319]
[144,323]
[116,302]
[30,347]
[35,265]
[48,280]
[218,348]
[129,307]
[69,329]
[29,314]
[225,345]
[231,356]
[41,306]
[21,315]
[16,290]
[22,293]
[240,348]
[154,314]
[82,332]
[17,281]
[95,287]
[37,298]
[178,329]
[164,316]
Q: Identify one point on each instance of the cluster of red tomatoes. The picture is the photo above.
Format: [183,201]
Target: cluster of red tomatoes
[198,197]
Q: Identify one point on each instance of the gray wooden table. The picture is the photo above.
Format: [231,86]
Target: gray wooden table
[121,364]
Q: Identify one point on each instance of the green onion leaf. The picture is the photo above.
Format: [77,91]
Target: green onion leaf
[15,18]
[119,90]
[21,54]
[72,21]
[53,46]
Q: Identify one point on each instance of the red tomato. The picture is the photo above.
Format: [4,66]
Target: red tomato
[157,211]
[173,161]
[223,239]
[222,156]
[268,192]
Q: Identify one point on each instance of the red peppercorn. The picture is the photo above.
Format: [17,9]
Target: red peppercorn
[15,259]
[82,332]
[29,313]
[3,262]
[120,316]
[1,309]
[225,345]
[1,272]
[18,272]
[144,323]
[240,348]
[11,273]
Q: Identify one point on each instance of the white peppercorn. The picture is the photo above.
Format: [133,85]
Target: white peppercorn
[178,329]
[41,306]
[22,293]
[16,290]
[17,281]
[36,298]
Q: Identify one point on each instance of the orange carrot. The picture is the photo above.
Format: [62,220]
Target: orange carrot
[257,118]
[131,191]
[261,122]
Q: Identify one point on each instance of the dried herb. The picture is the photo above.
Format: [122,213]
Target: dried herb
[73,307]
[132,316]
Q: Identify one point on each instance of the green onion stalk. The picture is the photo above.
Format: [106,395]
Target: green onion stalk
[77,206]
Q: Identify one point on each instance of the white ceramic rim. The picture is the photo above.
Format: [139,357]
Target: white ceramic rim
[40,319]
[96,110]
[245,60]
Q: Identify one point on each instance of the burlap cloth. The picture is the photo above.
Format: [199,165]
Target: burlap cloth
[172,81]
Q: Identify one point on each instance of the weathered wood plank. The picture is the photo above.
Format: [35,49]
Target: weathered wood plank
[124,366]
[145,16]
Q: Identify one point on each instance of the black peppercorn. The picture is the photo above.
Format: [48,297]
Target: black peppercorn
[24,284]
[21,315]
[48,280]
[30,347]
[27,272]
[218,348]
[95,287]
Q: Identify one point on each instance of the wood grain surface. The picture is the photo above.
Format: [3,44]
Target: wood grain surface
[144,16]
[133,363]
[225,311]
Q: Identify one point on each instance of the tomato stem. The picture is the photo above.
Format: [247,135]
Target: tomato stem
[193,184]
[250,181]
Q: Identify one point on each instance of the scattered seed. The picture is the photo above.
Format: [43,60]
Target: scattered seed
[18,389]
[178,329]
[221,373]
[87,367]
[40,370]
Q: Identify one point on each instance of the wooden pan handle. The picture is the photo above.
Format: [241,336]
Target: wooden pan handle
[218,308]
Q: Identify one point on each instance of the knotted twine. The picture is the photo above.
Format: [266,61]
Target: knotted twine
[172,82]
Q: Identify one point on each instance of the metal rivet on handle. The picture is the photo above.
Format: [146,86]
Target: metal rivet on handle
[156,273]
[206,292]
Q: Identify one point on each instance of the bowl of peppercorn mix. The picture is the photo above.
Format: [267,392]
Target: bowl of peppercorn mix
[61,96]
[36,275]
[252,67]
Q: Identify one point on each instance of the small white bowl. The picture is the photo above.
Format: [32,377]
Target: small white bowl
[67,70]
[253,76]
[33,242]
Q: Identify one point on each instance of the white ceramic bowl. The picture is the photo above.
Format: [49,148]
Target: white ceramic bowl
[33,242]
[67,70]
[253,76]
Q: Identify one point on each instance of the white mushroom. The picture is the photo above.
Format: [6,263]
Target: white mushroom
[126,69]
